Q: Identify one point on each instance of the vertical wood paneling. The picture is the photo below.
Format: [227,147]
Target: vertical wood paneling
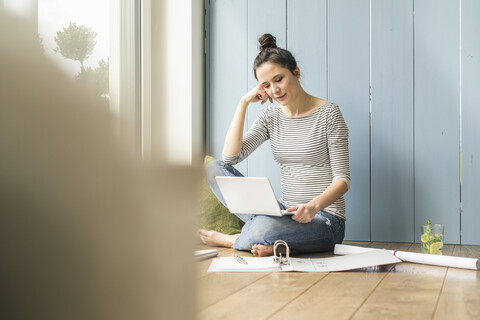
[392,120]
[412,150]
[264,16]
[307,41]
[348,86]
[437,94]
[470,122]
[227,59]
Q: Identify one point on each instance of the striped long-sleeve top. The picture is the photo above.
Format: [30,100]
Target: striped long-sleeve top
[312,151]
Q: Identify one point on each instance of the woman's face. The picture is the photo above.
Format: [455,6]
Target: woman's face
[278,82]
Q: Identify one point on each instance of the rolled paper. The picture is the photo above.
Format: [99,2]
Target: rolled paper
[423,258]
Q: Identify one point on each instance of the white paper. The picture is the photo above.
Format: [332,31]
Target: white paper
[423,258]
[342,263]
[255,264]
[355,261]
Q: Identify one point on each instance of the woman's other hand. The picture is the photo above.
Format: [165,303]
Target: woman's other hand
[257,94]
[304,213]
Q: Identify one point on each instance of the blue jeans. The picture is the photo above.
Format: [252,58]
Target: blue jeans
[320,234]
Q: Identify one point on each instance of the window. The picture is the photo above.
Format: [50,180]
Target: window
[76,35]
[95,42]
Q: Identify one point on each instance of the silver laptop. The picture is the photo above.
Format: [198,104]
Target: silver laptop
[250,195]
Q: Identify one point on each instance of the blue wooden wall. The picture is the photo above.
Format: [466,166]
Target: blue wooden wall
[406,84]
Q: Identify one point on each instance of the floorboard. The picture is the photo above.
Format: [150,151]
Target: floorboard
[407,291]
[401,291]
[263,297]
[346,289]
[460,297]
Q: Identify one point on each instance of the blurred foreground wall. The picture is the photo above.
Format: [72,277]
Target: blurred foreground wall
[86,231]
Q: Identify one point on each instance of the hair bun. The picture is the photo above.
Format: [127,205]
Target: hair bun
[267,41]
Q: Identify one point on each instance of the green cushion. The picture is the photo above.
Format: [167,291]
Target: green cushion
[213,214]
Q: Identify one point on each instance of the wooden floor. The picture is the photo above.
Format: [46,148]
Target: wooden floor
[401,291]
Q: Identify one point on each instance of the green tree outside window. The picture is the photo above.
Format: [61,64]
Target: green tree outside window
[77,43]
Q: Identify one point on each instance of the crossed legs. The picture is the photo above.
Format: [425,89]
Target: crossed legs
[260,231]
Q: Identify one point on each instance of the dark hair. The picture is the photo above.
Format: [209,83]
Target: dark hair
[269,52]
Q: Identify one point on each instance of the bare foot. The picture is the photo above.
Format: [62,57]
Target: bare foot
[214,238]
[262,250]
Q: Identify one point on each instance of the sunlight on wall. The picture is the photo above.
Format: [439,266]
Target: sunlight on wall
[177,80]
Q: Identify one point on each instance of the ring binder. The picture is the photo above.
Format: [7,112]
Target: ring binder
[278,258]
[281,263]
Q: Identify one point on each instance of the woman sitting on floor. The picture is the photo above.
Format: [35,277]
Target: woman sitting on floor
[309,140]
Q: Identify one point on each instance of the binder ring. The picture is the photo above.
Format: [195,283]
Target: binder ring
[279,259]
